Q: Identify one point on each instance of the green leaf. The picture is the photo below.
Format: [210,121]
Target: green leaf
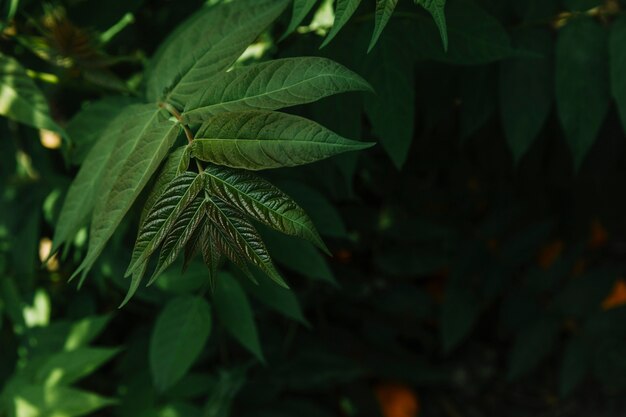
[475,37]
[301,9]
[575,365]
[344,9]
[210,255]
[324,215]
[261,201]
[228,384]
[526,90]
[582,5]
[618,65]
[242,237]
[205,44]
[41,401]
[271,85]
[170,169]
[299,256]
[179,193]
[582,54]
[258,140]
[392,110]
[460,311]
[235,313]
[138,152]
[65,368]
[478,99]
[179,335]
[181,231]
[83,192]
[85,330]
[86,127]
[384,10]
[437,9]
[532,345]
[20,99]
[275,297]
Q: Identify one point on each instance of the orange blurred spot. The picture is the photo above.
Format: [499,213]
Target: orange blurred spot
[397,400]
[550,253]
[598,236]
[343,255]
[617,297]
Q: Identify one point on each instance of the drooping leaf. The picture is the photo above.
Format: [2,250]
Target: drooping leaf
[475,37]
[344,9]
[460,311]
[80,199]
[243,237]
[208,42]
[262,201]
[256,140]
[532,345]
[575,365]
[437,9]
[582,54]
[20,99]
[275,297]
[526,90]
[271,85]
[225,245]
[478,99]
[618,65]
[85,330]
[391,111]
[86,127]
[181,231]
[65,368]
[301,9]
[235,313]
[138,153]
[179,193]
[211,256]
[180,333]
[299,256]
[384,10]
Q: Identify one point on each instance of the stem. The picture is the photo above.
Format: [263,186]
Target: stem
[188,133]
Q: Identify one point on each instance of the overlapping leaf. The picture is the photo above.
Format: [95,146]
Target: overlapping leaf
[258,140]
[272,85]
[262,201]
[207,43]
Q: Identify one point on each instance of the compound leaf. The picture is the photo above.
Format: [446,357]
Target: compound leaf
[179,193]
[262,201]
[243,237]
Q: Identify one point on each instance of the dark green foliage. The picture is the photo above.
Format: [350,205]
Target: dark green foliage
[222,153]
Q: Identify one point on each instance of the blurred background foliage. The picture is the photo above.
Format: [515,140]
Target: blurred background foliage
[479,251]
